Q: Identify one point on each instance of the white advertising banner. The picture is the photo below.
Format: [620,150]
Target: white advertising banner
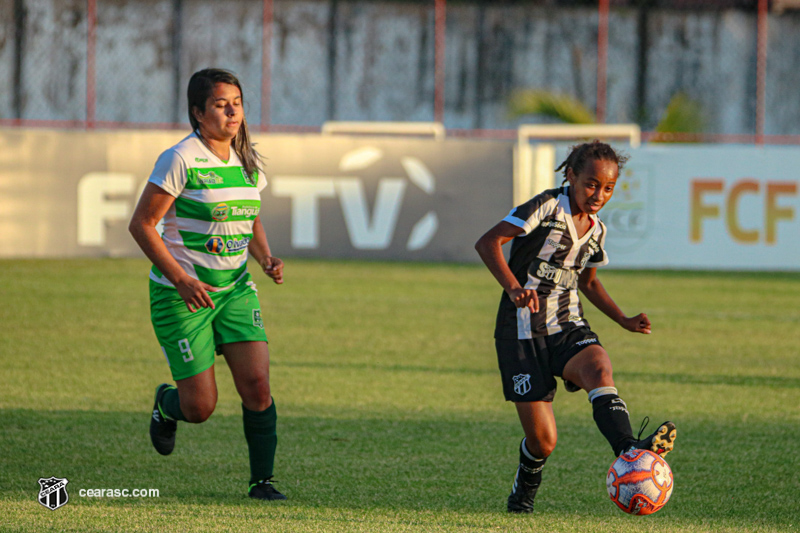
[72,193]
[706,207]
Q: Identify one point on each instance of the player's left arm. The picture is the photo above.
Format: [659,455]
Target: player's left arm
[593,289]
[259,249]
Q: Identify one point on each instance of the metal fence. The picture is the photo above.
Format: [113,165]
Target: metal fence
[125,63]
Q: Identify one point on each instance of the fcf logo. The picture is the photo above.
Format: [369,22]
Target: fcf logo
[53,492]
[522,384]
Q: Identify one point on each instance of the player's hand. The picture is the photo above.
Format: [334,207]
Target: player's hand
[637,324]
[273,267]
[525,298]
[195,293]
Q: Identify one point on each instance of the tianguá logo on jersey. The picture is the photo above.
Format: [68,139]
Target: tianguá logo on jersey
[217,245]
[220,212]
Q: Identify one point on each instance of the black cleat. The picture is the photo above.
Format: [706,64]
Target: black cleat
[264,490]
[522,493]
[162,431]
[661,441]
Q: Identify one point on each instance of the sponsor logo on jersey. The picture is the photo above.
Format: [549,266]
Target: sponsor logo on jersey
[220,212]
[215,245]
[522,383]
[575,318]
[246,211]
[236,245]
[556,245]
[200,160]
[566,279]
[553,224]
[593,249]
[209,179]
[53,492]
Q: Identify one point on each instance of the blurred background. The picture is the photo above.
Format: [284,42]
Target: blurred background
[687,70]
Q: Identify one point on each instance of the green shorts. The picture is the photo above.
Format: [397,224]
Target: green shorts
[189,340]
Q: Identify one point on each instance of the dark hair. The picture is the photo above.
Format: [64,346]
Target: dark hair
[591,151]
[201,86]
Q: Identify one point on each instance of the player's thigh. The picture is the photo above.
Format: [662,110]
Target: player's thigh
[186,338]
[579,358]
[590,368]
[539,424]
[249,364]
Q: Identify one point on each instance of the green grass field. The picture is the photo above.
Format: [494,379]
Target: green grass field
[391,416]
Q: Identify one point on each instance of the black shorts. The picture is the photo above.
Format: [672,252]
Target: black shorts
[529,367]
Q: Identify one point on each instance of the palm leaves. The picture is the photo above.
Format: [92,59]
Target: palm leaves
[682,116]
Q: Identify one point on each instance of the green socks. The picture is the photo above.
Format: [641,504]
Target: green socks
[170,405]
[260,430]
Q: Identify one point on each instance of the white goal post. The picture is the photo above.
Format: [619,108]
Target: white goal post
[436,129]
[534,165]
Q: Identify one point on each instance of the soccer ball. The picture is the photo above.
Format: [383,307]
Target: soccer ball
[639,482]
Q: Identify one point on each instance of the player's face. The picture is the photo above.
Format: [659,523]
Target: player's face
[593,186]
[223,114]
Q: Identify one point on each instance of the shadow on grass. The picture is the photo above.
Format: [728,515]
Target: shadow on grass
[773,382]
[684,379]
[434,465]
[384,367]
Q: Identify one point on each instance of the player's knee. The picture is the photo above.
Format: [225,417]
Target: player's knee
[197,412]
[541,447]
[546,448]
[603,375]
[258,395]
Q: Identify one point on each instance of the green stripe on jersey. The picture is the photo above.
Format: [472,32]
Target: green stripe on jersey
[223,245]
[219,278]
[219,178]
[233,211]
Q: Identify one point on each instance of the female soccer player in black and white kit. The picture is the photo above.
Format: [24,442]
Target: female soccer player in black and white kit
[557,245]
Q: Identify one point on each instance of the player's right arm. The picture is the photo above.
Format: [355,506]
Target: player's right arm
[490,248]
[153,205]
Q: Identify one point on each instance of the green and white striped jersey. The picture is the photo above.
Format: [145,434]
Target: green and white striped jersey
[209,226]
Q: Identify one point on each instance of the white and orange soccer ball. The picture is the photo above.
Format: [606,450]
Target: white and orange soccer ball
[639,482]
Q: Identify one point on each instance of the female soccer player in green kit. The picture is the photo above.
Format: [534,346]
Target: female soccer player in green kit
[557,244]
[202,299]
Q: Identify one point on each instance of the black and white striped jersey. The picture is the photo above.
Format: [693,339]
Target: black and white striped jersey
[548,257]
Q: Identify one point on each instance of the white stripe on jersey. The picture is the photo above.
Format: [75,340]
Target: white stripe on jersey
[548,249]
[533,221]
[571,260]
[215,261]
[574,308]
[524,323]
[215,196]
[551,315]
[215,228]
